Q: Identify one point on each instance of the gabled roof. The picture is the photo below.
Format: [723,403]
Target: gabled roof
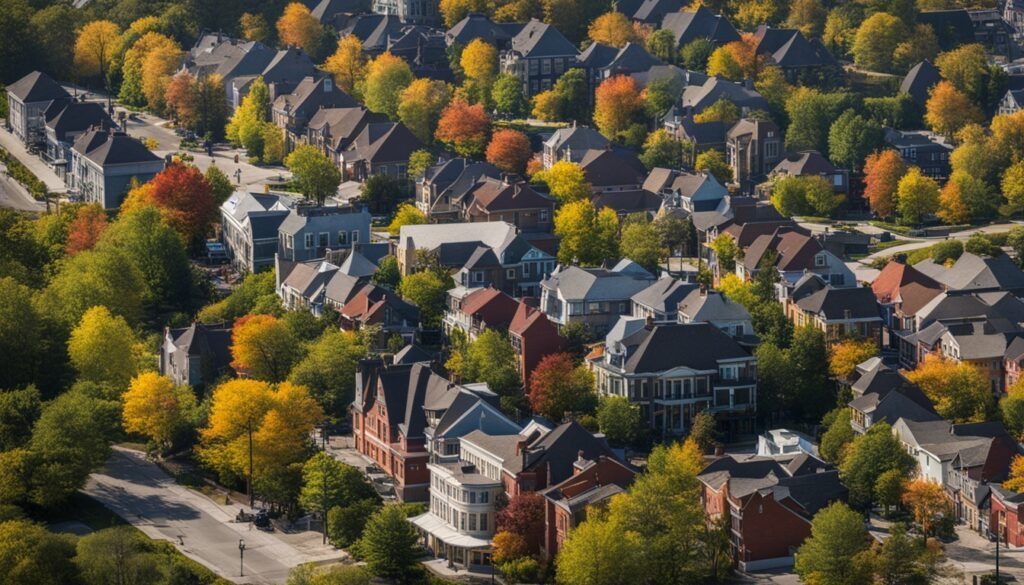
[920,80]
[700,24]
[527,318]
[369,303]
[494,307]
[492,195]
[901,283]
[290,64]
[664,295]
[626,202]
[311,94]
[198,339]
[538,39]
[37,87]
[412,354]
[326,10]
[65,117]
[796,250]
[596,284]
[479,26]
[698,97]
[577,138]
[807,162]
[607,167]
[106,148]
[373,30]
[383,142]
[841,303]
[659,350]
[976,273]
[632,58]
[652,11]
[357,265]
[710,307]
[493,234]
[597,55]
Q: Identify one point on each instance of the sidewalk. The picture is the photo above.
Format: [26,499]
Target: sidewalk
[11,144]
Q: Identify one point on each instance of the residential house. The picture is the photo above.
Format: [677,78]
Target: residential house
[979,341]
[934,444]
[373,30]
[612,169]
[27,102]
[1012,101]
[410,11]
[228,58]
[795,254]
[310,232]
[595,297]
[335,13]
[704,306]
[802,61]
[65,122]
[604,61]
[197,355]
[769,503]
[513,201]
[687,27]
[972,273]
[809,163]
[660,301]
[333,130]
[381,148]
[901,291]
[696,97]
[994,33]
[884,394]
[441,191]
[452,243]
[283,72]
[539,55]
[479,26]
[477,310]
[923,149]
[952,28]
[753,148]
[919,82]
[785,442]
[313,285]
[743,218]
[249,223]
[926,328]
[376,305]
[973,472]
[652,12]
[691,192]
[1006,518]
[566,504]
[697,137]
[838,312]
[293,111]
[425,50]
[1013,14]
[572,144]
[533,336]
[642,362]
[104,163]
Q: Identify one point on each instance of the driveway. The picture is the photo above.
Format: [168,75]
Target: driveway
[141,493]
[975,555]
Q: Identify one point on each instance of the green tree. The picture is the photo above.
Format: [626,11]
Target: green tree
[420,107]
[661,150]
[713,162]
[327,482]
[220,184]
[598,552]
[727,252]
[110,279]
[388,273]
[489,358]
[808,360]
[19,410]
[876,40]
[427,291]
[328,369]
[835,551]
[390,544]
[868,457]
[22,340]
[618,419]
[386,77]
[120,554]
[588,236]
[573,92]
[316,176]
[32,555]
[811,114]
[705,431]
[838,434]
[641,243]
[345,525]
[889,489]
[255,290]
[902,559]
[852,138]
[695,54]
[380,192]
[508,97]
[805,195]
[419,162]
[662,44]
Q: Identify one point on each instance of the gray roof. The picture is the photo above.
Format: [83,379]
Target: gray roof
[412,354]
[65,117]
[105,147]
[711,306]
[358,265]
[494,234]
[705,346]
[700,24]
[809,482]
[664,295]
[37,87]
[538,39]
[597,284]
[842,303]
[577,138]
[975,273]
[699,97]
[920,80]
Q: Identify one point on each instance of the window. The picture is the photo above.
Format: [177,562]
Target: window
[510,273]
[483,521]
[309,241]
[545,67]
[472,521]
[819,260]
[545,215]
[526,270]
[837,180]
[478,276]
[324,240]
[402,174]
[622,307]
[355,237]
[576,308]
[559,66]
[342,238]
[729,372]
[771,149]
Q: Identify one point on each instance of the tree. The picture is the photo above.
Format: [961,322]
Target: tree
[917,196]
[952,209]
[588,236]
[876,41]
[388,274]
[524,517]
[869,456]
[722,62]
[805,195]
[464,128]
[662,44]
[220,184]
[407,214]
[507,96]
[948,109]
[347,64]
[509,150]
[419,161]
[727,251]
[597,552]
[959,391]
[661,150]
[316,176]
[120,554]
[185,200]
[102,348]
[254,27]
[479,62]
[427,291]
[713,162]
[807,16]
[723,110]
[159,65]
[94,48]
[641,243]
[852,138]
[617,105]
[379,192]
[883,171]
[833,554]
[93,278]
[346,524]
[558,386]
[1013,187]
[133,68]
[889,489]
[491,359]
[967,69]
[847,354]
[324,487]
[264,346]
[19,410]
[811,114]
[455,10]
[837,436]
[566,181]
[386,77]
[32,555]
[85,231]
[704,431]
[927,500]
[299,28]
[390,543]
[808,361]
[612,28]
[695,54]
[1015,481]
[618,419]
[247,125]
[420,107]
[154,407]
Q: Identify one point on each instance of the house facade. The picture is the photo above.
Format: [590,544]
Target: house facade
[309,232]
[539,55]
[105,162]
[27,102]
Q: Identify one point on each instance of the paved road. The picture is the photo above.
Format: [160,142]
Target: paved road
[14,196]
[142,494]
[11,144]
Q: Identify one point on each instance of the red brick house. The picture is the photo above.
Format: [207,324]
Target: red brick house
[593,482]
[478,309]
[515,202]
[1005,519]
[533,336]
[768,502]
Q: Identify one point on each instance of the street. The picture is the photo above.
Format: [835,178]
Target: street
[14,196]
[145,496]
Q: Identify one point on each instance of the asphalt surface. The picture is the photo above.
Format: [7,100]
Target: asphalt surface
[14,196]
[149,499]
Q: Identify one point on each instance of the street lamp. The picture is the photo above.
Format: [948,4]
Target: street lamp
[241,557]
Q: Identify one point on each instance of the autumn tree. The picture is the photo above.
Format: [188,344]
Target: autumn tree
[85,231]
[661,150]
[833,553]
[805,195]
[156,408]
[558,386]
[612,28]
[662,44]
[948,109]
[927,500]
[807,16]
[489,358]
[465,128]
[713,162]
[876,40]
[102,348]
[248,124]
[386,77]
[617,105]
[328,369]
[264,346]
[455,10]
[727,252]
[509,150]
[723,110]
[94,48]
[737,60]
[1013,187]
[1015,481]
[347,64]
[966,68]
[479,63]
[185,200]
[524,517]
[420,107]
[298,27]
[847,354]
[588,236]
[133,66]
[254,27]
[597,552]
[917,196]
[406,214]
[959,391]
[566,181]
[641,243]
[883,171]
[316,175]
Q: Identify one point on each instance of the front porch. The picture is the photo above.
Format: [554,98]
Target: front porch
[459,550]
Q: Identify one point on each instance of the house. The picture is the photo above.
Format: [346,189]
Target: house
[249,223]
[697,137]
[839,312]
[197,355]
[215,54]
[704,306]
[919,82]
[425,50]
[333,130]
[901,291]
[593,483]
[333,13]
[595,297]
[795,254]
[923,149]
[802,61]
[1005,518]
[513,201]
[477,310]
[785,442]
[381,148]
[809,163]
[604,61]
[642,362]
[691,192]
[952,27]
[696,98]
[743,218]
[627,202]
[651,12]
[769,502]
[687,27]
[104,163]
[376,305]
[979,341]
[539,55]
[660,301]
[453,243]
[479,26]
[65,122]
[373,30]
[313,285]
[884,394]
[27,102]
[752,148]
[409,11]
[293,111]
[310,232]
[572,144]
[283,72]
[441,192]
[612,169]
[1013,15]
[533,336]
[994,33]
[927,327]
[1012,101]
[975,274]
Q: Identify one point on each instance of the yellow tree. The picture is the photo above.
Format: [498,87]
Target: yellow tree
[952,209]
[455,10]
[927,500]
[386,77]
[347,64]
[845,355]
[916,196]
[264,347]
[547,106]
[407,214]
[960,391]
[948,109]
[588,237]
[612,28]
[566,181]
[133,69]
[154,407]
[102,348]
[297,27]
[479,61]
[157,69]
[254,27]
[421,105]
[94,48]
[1015,481]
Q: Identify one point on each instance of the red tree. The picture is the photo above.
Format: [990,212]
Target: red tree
[185,200]
[557,386]
[882,173]
[464,127]
[86,229]
[524,516]
[509,150]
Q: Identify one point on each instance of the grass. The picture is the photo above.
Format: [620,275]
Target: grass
[903,230]
[84,509]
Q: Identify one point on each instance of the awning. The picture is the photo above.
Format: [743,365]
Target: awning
[440,530]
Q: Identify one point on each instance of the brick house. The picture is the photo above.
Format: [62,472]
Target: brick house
[533,336]
[478,309]
[538,57]
[1006,513]
[515,202]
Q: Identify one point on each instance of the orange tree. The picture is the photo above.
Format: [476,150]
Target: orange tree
[464,128]
[509,150]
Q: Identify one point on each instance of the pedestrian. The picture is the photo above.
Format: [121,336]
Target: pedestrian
[238,176]
[181,540]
